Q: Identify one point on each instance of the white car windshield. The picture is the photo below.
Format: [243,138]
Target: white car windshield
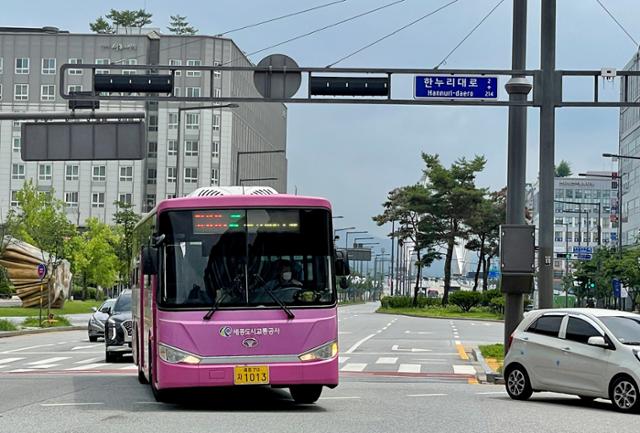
[626,329]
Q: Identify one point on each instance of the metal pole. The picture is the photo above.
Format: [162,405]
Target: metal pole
[393,230]
[547,91]
[566,262]
[620,214]
[599,224]
[588,232]
[580,224]
[517,152]
[179,174]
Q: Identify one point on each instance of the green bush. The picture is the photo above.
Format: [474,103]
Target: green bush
[489,295]
[5,285]
[55,322]
[92,293]
[5,325]
[407,302]
[465,300]
[497,304]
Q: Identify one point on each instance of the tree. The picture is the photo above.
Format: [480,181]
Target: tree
[125,219]
[563,169]
[126,19]
[100,25]
[453,199]
[466,300]
[180,26]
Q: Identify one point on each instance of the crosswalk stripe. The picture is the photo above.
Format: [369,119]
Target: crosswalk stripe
[354,367]
[464,369]
[87,366]
[9,360]
[83,347]
[49,360]
[342,359]
[385,360]
[409,368]
[20,370]
[129,367]
[43,366]
[88,361]
[27,348]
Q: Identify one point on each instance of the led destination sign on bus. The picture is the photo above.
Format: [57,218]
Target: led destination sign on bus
[222,221]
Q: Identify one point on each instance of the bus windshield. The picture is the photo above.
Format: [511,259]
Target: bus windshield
[244,258]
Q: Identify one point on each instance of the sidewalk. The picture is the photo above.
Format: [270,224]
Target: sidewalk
[75,319]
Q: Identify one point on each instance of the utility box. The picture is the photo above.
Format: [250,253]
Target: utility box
[517,257]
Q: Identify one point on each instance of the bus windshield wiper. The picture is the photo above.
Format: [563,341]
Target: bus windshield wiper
[215,306]
[277,300]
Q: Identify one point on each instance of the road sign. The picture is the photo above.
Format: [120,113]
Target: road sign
[359,254]
[616,288]
[584,256]
[583,250]
[277,84]
[42,271]
[455,87]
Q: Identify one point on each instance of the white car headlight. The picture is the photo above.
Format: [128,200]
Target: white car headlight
[176,356]
[326,351]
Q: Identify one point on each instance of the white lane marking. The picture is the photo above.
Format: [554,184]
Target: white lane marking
[457,341]
[463,369]
[87,361]
[27,348]
[492,393]
[418,332]
[359,343]
[48,360]
[409,368]
[345,332]
[83,347]
[63,342]
[338,398]
[386,360]
[396,348]
[342,359]
[44,366]
[147,402]
[20,370]
[430,361]
[8,360]
[426,395]
[87,366]
[354,367]
[129,367]
[69,404]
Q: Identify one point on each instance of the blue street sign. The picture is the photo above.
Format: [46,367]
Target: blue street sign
[583,250]
[494,273]
[455,87]
[42,271]
[617,288]
[584,256]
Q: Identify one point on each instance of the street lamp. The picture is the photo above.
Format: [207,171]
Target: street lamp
[179,169]
[341,230]
[335,217]
[346,237]
[359,239]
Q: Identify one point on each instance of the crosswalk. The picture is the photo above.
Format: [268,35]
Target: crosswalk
[390,364]
[60,363]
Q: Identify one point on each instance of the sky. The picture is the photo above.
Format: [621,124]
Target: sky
[354,155]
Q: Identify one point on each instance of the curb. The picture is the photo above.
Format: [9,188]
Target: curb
[4,334]
[442,318]
[490,375]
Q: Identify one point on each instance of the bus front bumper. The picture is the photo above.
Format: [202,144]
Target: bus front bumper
[280,374]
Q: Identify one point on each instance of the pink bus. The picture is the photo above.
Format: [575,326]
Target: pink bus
[233,289]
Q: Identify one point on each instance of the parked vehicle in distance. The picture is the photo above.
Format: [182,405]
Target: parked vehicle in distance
[117,336]
[98,319]
[591,353]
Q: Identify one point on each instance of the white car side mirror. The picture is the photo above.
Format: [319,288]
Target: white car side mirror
[597,341]
[94,309]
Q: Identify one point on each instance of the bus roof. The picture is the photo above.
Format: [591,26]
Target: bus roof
[242,201]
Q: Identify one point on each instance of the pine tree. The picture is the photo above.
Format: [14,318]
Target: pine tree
[180,26]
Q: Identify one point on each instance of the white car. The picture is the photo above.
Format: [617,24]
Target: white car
[591,353]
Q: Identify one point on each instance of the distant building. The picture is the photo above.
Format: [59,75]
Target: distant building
[30,59]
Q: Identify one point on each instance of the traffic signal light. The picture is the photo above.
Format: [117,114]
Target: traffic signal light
[152,83]
[349,86]
[591,285]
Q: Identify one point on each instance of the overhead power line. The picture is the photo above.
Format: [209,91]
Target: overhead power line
[444,60]
[618,23]
[292,14]
[396,31]
[320,29]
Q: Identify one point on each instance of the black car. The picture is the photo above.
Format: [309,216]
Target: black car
[117,335]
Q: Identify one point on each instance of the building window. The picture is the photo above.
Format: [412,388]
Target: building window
[191,148]
[152,176]
[215,149]
[124,198]
[151,201]
[21,92]
[48,92]
[17,171]
[193,92]
[74,88]
[48,66]
[126,174]
[71,172]
[153,123]
[130,71]
[194,63]
[217,74]
[17,144]
[71,199]
[153,149]
[176,62]
[97,199]
[172,174]
[170,196]
[1,65]
[176,91]
[217,93]
[103,62]
[173,121]
[576,237]
[44,172]
[190,175]
[172,148]
[216,122]
[99,173]
[215,180]
[192,121]
[22,65]
[75,61]
[558,236]
[14,199]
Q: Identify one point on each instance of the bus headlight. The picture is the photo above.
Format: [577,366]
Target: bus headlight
[176,356]
[326,351]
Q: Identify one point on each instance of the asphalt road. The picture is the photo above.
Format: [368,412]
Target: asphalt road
[398,374]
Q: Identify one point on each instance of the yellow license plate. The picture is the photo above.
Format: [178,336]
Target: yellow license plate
[251,375]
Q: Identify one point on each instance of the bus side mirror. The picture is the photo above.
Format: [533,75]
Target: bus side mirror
[342,264]
[150,260]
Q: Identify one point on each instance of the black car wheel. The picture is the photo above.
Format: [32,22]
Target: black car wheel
[305,394]
[93,338]
[624,394]
[111,357]
[517,383]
